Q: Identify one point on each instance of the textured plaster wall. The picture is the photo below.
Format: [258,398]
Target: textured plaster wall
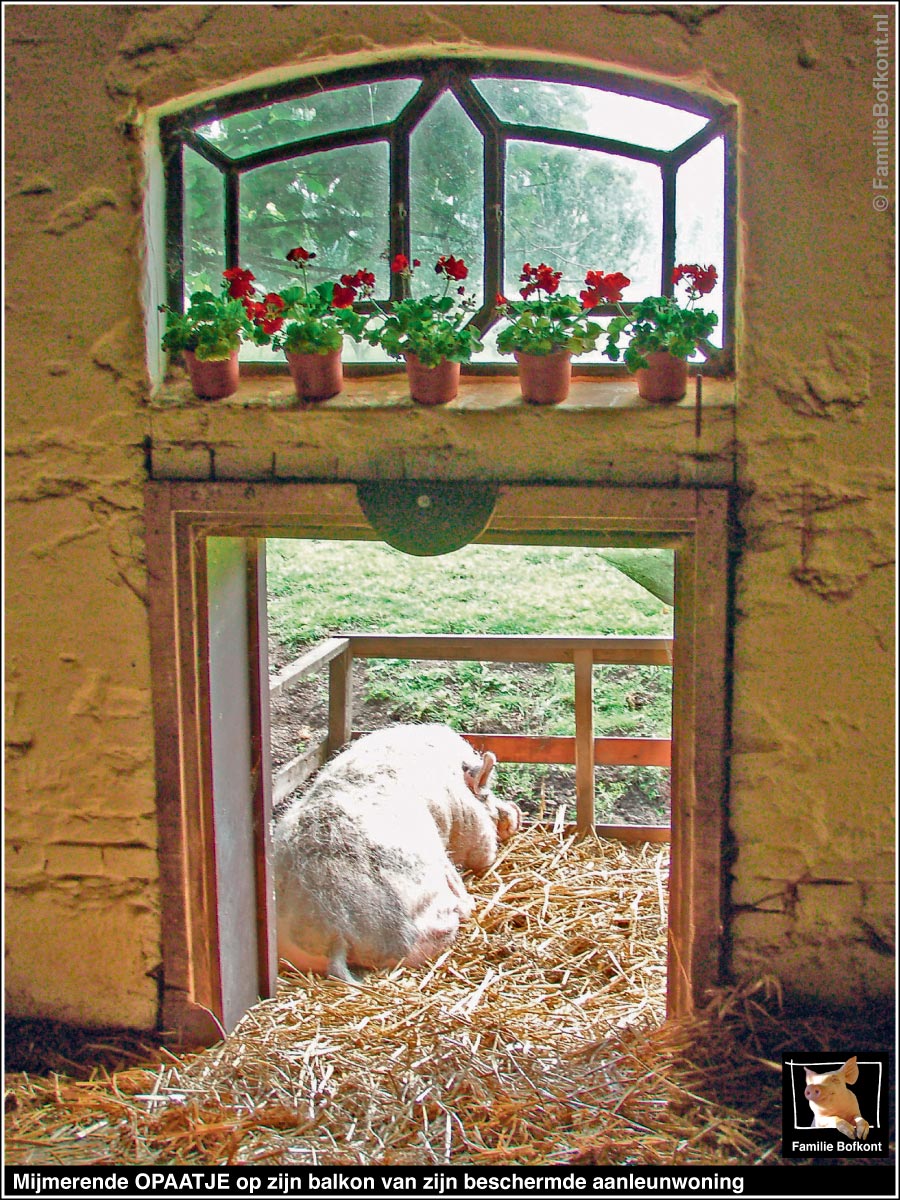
[811,808]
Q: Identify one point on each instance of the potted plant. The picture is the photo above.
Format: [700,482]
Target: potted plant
[664,334]
[429,332]
[309,323]
[208,334]
[545,332]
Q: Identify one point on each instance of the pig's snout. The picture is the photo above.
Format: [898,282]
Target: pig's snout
[812,1093]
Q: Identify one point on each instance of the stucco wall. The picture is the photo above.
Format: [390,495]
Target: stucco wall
[811,808]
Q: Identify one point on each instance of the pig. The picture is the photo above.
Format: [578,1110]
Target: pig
[834,1106]
[367,861]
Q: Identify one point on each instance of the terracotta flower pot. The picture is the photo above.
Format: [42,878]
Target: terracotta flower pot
[316,376]
[212,378]
[544,378]
[432,385]
[665,378]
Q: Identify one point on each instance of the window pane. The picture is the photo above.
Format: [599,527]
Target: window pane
[351,353]
[490,353]
[580,210]
[204,224]
[334,203]
[589,110]
[446,198]
[700,220]
[357,107]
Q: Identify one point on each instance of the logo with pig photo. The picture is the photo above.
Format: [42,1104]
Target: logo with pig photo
[833,1106]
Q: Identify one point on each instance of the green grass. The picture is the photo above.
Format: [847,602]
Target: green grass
[319,588]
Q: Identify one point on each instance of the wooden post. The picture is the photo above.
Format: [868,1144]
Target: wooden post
[584,741]
[340,701]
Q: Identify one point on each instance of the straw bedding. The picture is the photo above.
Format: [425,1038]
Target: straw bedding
[536,1039]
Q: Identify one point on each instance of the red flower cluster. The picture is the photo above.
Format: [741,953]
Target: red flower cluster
[240,282]
[603,289]
[453,268]
[701,280]
[538,279]
[401,263]
[266,312]
[299,255]
[345,291]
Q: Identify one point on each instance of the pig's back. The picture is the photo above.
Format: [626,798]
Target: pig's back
[359,865]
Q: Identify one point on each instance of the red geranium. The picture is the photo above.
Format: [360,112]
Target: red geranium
[549,321]
[361,280]
[240,282]
[538,279]
[401,263]
[432,327]
[306,318]
[661,323]
[453,268]
[299,255]
[701,280]
[343,297]
[266,313]
[213,326]
[603,289]
[345,291]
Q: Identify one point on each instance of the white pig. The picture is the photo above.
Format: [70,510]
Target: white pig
[834,1105]
[365,862]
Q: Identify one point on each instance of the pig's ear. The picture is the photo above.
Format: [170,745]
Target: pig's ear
[809,1074]
[471,774]
[477,777]
[490,761]
[850,1070]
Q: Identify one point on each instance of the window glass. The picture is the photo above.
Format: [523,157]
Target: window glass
[580,210]
[334,203]
[203,225]
[446,168]
[700,221]
[588,110]
[490,353]
[358,107]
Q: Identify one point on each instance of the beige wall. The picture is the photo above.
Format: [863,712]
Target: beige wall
[812,786]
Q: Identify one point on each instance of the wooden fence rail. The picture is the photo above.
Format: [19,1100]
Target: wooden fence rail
[584,750]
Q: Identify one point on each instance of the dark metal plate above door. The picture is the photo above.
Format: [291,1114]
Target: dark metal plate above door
[427,518]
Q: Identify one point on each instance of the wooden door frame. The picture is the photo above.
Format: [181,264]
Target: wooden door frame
[180,517]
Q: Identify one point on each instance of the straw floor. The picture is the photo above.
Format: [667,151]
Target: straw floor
[537,1039]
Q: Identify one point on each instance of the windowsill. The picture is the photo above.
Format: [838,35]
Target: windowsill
[477,393]
[602,431]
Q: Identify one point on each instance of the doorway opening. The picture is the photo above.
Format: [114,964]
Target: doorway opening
[206,554]
[490,640]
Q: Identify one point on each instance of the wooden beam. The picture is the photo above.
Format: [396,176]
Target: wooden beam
[608,751]
[299,769]
[630,834]
[584,740]
[650,651]
[340,700]
[317,656]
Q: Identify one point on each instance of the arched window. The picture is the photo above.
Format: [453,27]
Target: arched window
[496,162]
